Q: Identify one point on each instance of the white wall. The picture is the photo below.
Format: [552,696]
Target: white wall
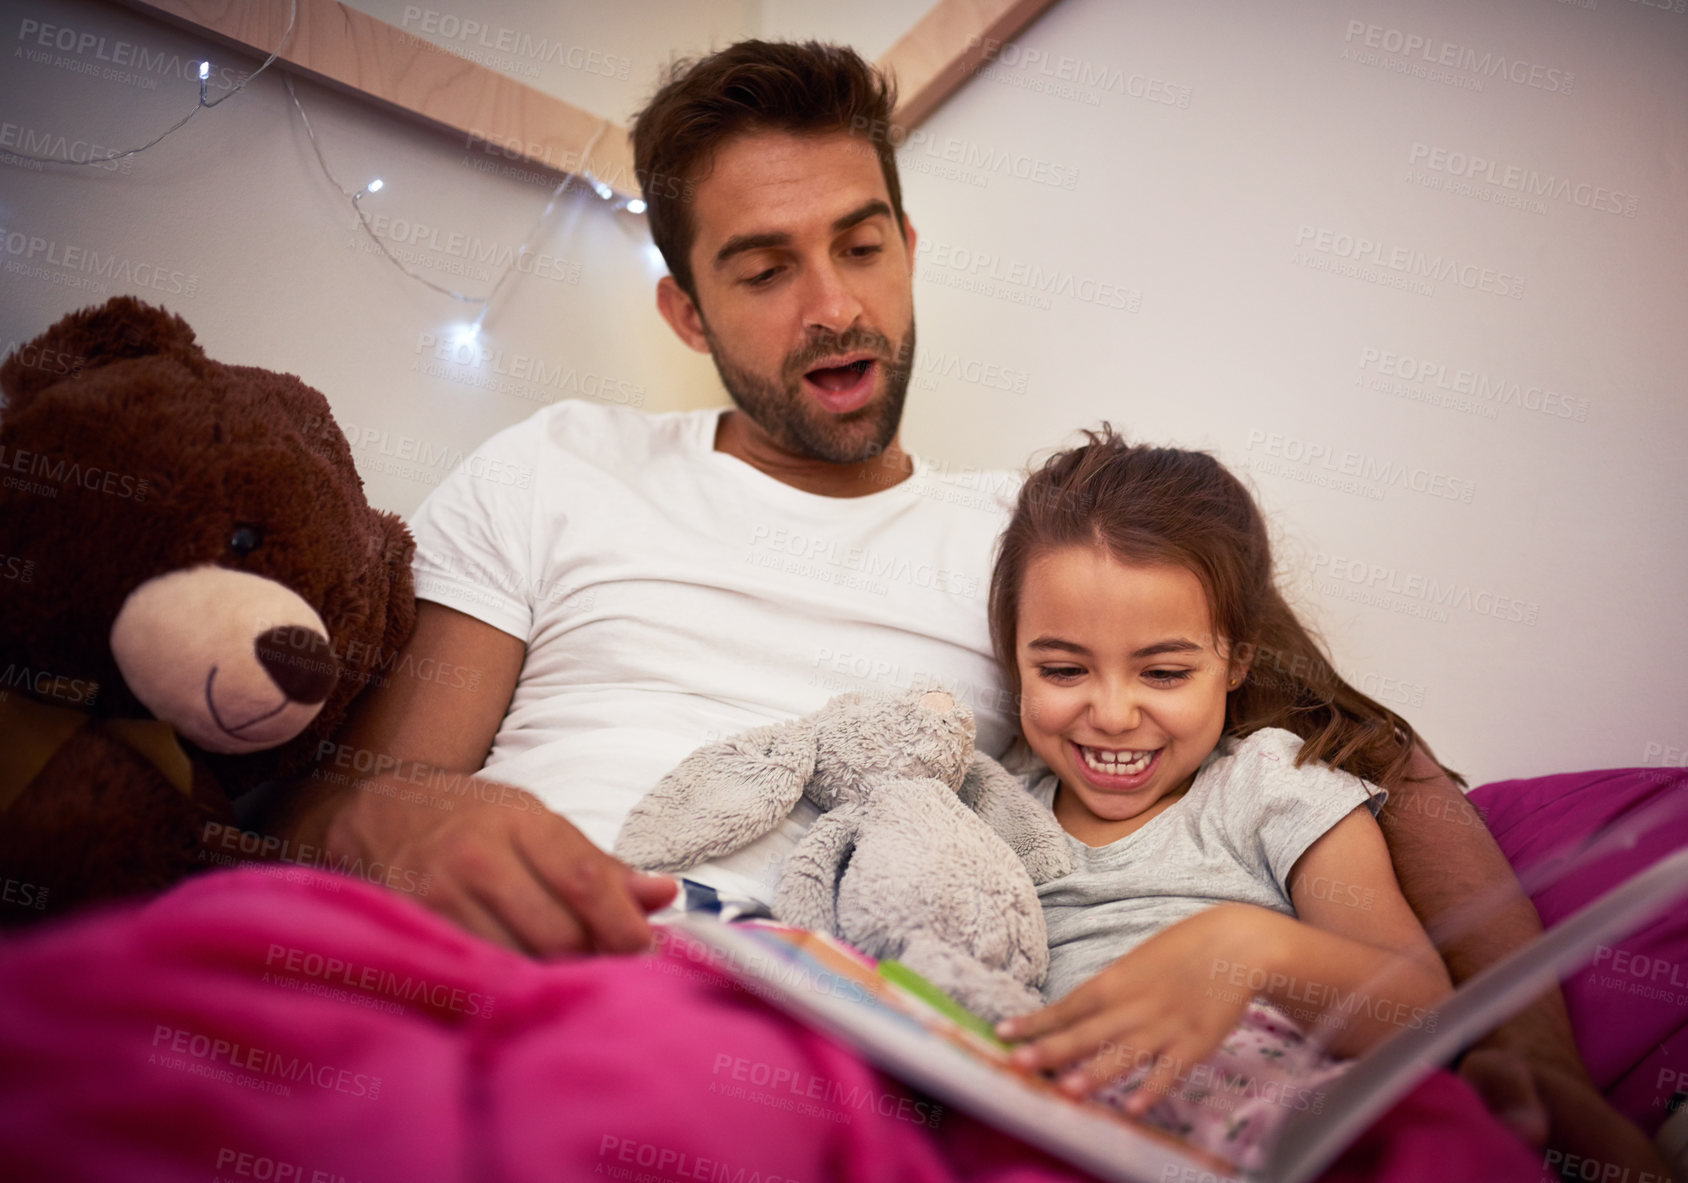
[1137,212]
[1221,215]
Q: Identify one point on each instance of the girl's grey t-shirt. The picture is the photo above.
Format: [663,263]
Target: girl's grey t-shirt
[1233,838]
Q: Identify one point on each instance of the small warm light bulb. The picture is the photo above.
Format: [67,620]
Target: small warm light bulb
[376,185]
[204,71]
[465,335]
[636,205]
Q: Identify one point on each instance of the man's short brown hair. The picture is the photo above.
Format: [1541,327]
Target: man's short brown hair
[752,86]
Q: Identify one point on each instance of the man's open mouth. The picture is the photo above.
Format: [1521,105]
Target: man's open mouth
[836,378]
[845,388]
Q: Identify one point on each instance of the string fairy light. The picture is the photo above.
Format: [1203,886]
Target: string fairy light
[204,103]
[469,333]
[464,334]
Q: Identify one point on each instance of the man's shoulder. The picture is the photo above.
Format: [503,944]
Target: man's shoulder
[1005,482]
[600,431]
[990,491]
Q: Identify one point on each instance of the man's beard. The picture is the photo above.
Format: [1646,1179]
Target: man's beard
[793,420]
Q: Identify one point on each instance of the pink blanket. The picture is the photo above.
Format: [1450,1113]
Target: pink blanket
[298,1026]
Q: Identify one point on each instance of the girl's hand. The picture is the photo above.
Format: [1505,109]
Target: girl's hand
[1161,1004]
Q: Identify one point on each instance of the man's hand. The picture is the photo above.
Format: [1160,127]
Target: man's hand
[502,865]
[1556,1109]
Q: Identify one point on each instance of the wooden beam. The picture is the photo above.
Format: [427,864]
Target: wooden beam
[354,52]
[949,43]
[400,71]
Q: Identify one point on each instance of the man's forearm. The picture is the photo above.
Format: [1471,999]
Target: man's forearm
[1462,889]
[324,810]
[1455,877]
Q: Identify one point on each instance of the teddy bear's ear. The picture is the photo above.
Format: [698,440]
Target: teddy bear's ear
[123,327]
[720,798]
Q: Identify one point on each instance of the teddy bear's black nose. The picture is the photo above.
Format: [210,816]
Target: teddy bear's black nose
[299,660]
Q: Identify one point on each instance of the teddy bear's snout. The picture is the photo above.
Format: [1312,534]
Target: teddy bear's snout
[299,660]
[233,661]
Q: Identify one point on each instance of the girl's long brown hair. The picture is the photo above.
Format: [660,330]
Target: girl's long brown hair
[1170,506]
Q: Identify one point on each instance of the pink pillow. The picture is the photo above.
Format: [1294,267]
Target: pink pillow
[1629,1006]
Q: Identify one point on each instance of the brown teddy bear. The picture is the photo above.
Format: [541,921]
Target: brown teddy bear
[194,589]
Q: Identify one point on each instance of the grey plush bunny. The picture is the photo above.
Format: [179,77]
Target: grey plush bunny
[925,850]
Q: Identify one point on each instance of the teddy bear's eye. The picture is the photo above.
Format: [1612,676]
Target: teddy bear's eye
[245,539]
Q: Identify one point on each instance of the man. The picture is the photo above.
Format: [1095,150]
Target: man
[670,579]
[665,580]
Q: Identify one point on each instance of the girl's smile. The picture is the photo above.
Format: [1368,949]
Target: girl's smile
[1119,770]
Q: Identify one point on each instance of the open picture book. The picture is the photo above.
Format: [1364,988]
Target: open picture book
[911,1030]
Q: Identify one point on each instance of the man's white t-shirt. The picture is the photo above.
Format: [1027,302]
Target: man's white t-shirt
[670,595]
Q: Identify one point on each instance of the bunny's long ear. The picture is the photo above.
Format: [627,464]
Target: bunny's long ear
[998,797]
[807,895]
[721,797]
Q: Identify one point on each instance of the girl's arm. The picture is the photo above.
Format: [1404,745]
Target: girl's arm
[1365,965]
[1357,965]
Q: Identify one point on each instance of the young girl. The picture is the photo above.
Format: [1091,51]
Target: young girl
[1211,769]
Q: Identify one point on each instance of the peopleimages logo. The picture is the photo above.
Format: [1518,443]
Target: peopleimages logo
[471,247]
[1407,261]
[1349,578]
[372,979]
[76,692]
[828,559]
[120,54]
[1089,77]
[34,467]
[30,141]
[516,42]
[32,250]
[945,260]
[937,364]
[919,146]
[430,454]
[15,568]
[220,1059]
[519,374]
[1466,382]
[1372,470]
[1526,182]
[1423,53]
